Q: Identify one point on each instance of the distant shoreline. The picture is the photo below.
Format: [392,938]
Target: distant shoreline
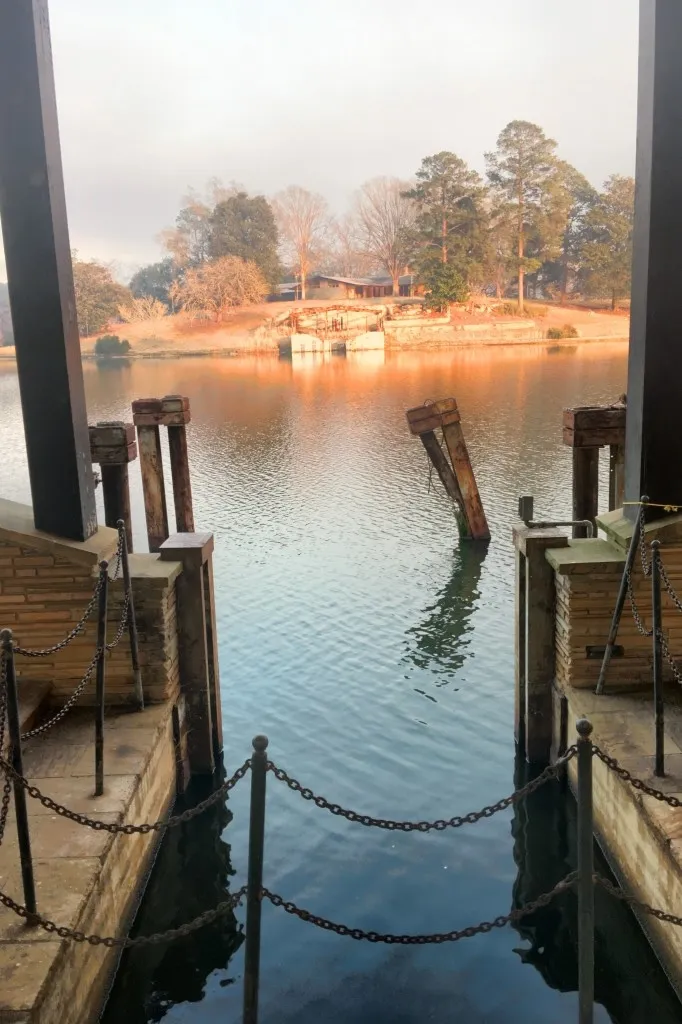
[7,354]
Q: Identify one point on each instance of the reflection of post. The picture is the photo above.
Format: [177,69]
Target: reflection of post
[437,641]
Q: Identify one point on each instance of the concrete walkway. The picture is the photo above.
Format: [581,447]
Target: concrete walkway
[85,879]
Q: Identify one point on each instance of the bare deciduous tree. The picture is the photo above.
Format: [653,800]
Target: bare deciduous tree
[302,220]
[216,288]
[146,307]
[347,256]
[386,218]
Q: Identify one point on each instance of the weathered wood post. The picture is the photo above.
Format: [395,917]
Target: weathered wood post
[535,653]
[176,417]
[586,430]
[146,416]
[112,447]
[585,488]
[459,482]
[199,675]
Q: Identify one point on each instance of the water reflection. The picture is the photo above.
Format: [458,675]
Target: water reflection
[629,983]
[441,640]
[191,875]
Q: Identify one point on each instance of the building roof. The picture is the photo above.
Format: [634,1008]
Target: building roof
[364,282]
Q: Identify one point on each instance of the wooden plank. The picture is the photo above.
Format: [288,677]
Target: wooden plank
[431,416]
[461,464]
[594,426]
[151,466]
[585,487]
[116,493]
[182,484]
[443,468]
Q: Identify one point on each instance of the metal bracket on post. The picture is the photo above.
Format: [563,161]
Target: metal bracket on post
[526,505]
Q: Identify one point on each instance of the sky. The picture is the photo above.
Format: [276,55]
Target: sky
[158,95]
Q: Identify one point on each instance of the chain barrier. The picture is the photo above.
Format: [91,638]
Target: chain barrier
[44,652]
[441,824]
[63,711]
[632,901]
[636,783]
[7,785]
[110,941]
[127,830]
[424,940]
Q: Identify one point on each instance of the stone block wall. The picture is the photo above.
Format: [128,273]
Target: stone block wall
[585,600]
[45,586]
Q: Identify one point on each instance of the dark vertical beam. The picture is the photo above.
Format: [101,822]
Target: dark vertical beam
[654,417]
[585,488]
[40,276]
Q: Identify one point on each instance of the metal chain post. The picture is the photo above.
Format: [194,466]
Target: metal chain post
[132,623]
[101,664]
[657,632]
[259,772]
[585,873]
[20,809]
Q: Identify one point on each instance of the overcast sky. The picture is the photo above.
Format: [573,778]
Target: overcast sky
[156,95]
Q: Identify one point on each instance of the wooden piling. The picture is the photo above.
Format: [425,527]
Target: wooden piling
[146,413]
[176,417]
[199,679]
[459,482]
[585,488]
[112,447]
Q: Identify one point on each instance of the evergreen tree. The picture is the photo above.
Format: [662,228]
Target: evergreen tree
[527,194]
[606,251]
[244,226]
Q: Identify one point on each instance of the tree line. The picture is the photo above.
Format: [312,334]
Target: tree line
[533,225]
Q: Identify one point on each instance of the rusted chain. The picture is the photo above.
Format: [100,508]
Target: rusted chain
[127,830]
[441,824]
[51,722]
[125,611]
[632,901]
[423,940]
[7,785]
[110,941]
[27,652]
[636,783]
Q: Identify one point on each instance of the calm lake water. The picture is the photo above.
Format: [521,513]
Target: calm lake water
[377,654]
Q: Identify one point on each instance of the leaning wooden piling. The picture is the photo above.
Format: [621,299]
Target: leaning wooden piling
[457,476]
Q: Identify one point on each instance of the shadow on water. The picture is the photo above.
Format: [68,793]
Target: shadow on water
[438,642]
[629,982]
[191,875]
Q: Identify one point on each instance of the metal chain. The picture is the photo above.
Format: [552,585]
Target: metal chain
[646,564]
[636,783]
[110,941]
[128,830]
[82,622]
[67,706]
[7,786]
[635,610]
[422,940]
[632,901]
[122,626]
[668,585]
[424,826]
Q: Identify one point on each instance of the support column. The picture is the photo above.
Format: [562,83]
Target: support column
[199,676]
[654,417]
[40,277]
